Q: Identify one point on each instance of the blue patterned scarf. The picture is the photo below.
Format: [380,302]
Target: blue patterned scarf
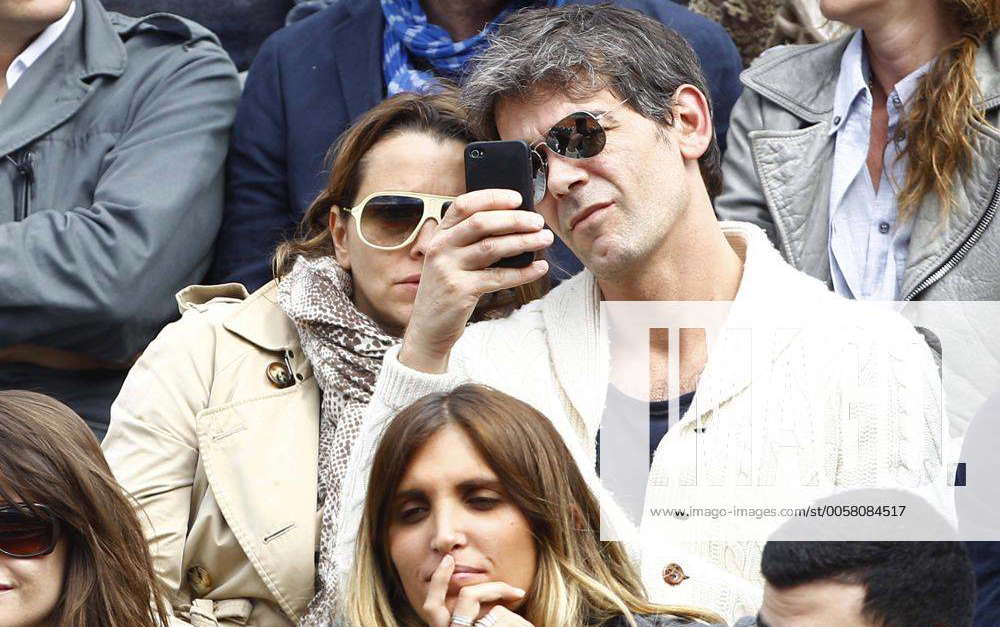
[408,34]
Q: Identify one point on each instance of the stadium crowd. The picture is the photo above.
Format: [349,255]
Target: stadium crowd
[270,356]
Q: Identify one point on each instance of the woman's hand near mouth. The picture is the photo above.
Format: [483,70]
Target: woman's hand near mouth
[470,601]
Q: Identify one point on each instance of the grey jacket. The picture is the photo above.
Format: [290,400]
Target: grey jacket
[779,163]
[111,162]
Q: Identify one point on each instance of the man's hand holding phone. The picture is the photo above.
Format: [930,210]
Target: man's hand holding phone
[479,229]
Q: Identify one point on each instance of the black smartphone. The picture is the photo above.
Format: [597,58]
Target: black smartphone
[502,165]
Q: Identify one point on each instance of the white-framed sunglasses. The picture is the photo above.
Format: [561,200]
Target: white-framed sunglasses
[391,220]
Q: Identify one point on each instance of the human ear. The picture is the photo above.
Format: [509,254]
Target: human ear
[338,232]
[692,122]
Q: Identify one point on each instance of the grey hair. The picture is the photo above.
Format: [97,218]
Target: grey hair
[580,50]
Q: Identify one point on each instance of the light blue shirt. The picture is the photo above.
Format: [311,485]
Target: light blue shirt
[868,248]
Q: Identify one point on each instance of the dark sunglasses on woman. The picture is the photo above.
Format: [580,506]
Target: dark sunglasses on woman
[579,135]
[28,531]
[391,220]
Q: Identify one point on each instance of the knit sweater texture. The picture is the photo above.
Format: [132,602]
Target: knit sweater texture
[875,423]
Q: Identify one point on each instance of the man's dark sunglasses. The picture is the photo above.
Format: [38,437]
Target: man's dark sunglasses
[28,530]
[579,135]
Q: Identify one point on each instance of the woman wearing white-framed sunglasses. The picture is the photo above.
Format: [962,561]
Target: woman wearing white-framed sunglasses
[248,407]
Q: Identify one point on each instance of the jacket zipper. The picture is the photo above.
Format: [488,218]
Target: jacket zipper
[25,168]
[964,249]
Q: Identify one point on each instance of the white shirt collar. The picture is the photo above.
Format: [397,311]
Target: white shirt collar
[37,48]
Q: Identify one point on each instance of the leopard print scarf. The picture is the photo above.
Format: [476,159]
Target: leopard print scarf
[345,348]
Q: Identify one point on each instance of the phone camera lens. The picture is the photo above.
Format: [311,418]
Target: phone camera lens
[477,154]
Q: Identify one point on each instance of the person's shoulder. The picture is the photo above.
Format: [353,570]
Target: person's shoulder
[212,300]
[316,28]
[160,43]
[697,29]
[183,31]
[769,67]
[204,311]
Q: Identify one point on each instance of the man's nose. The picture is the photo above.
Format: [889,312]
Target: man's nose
[564,174]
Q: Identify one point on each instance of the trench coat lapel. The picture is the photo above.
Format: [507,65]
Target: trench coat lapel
[260,457]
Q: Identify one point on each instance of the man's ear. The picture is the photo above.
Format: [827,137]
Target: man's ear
[338,232]
[692,122]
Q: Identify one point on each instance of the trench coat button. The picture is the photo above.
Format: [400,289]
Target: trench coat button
[278,374]
[199,580]
[673,574]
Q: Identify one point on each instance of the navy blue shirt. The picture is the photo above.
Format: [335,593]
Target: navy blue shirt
[659,416]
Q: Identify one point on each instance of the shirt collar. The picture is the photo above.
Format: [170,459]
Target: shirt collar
[37,48]
[854,77]
[905,88]
[852,81]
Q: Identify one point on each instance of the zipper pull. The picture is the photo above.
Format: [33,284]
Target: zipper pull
[26,167]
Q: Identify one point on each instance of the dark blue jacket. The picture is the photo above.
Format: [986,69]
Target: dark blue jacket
[977,502]
[311,79]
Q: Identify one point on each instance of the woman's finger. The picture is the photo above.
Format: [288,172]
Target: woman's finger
[435,612]
[496,279]
[492,223]
[486,252]
[500,616]
[471,599]
[479,200]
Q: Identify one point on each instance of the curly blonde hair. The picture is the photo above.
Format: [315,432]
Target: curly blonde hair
[945,107]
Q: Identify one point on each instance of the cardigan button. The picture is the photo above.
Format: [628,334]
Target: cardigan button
[278,375]
[673,574]
[199,580]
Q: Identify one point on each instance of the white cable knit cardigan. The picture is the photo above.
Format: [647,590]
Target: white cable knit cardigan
[552,354]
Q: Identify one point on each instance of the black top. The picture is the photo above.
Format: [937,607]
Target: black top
[659,416]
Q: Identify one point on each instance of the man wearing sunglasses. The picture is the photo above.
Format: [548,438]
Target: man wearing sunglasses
[614,107]
[311,79]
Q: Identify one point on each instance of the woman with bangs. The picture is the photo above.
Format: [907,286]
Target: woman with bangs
[234,428]
[871,160]
[72,551]
[477,514]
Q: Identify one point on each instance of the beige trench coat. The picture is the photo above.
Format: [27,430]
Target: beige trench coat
[215,434]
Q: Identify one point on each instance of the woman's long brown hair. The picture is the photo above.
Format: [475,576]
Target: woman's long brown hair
[437,114]
[947,103]
[48,455]
[579,579]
